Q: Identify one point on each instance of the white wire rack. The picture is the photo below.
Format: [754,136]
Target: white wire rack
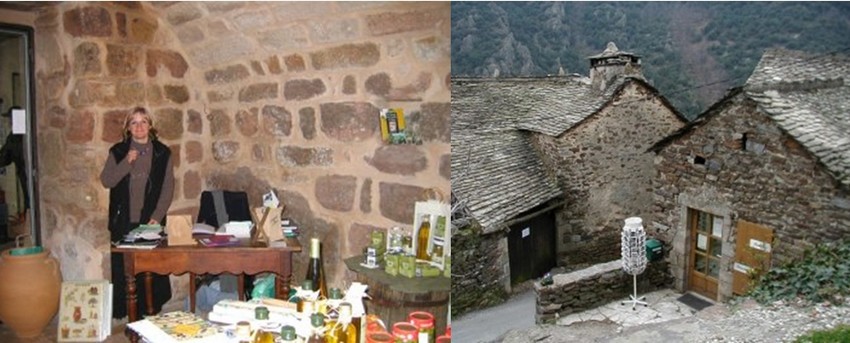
[633,251]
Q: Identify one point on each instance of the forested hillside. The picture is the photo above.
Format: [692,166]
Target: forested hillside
[691,51]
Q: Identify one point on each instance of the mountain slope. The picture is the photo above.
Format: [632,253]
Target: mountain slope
[691,51]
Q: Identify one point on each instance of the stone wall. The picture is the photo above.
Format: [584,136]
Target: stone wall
[770,180]
[479,276]
[594,286]
[605,172]
[250,96]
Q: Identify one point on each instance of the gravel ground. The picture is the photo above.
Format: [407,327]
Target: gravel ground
[778,322]
[746,321]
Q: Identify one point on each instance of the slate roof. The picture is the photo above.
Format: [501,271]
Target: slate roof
[808,96]
[499,176]
[495,169]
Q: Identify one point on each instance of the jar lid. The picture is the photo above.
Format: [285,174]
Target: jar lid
[421,319]
[287,333]
[335,293]
[379,337]
[307,284]
[261,313]
[26,251]
[317,320]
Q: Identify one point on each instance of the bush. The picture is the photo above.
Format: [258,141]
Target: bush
[822,274]
[838,334]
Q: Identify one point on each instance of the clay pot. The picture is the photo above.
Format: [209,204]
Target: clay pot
[29,291]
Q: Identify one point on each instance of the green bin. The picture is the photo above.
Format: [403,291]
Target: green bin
[654,250]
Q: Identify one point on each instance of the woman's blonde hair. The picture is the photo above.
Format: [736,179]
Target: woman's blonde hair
[144,112]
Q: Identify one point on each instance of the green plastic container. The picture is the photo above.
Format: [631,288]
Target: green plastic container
[654,250]
[20,250]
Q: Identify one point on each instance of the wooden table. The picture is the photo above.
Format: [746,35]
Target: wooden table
[197,259]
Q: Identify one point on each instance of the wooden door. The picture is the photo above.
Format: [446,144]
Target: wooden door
[753,248]
[531,247]
[705,244]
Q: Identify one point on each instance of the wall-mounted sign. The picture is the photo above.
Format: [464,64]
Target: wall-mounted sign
[743,268]
[759,245]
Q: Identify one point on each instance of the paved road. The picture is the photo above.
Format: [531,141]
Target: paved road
[490,324]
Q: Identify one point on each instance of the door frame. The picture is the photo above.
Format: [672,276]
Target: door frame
[30,141]
[711,288]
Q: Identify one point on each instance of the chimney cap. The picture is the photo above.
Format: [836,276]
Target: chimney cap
[612,51]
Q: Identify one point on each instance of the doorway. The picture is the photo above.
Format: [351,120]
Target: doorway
[531,247]
[705,244]
[18,166]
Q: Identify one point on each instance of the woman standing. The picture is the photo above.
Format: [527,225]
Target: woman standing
[140,179]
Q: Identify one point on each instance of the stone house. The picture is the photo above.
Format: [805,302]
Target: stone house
[250,96]
[548,168]
[759,177]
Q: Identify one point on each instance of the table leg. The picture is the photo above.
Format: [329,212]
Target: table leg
[192,292]
[282,286]
[131,304]
[149,292]
[240,286]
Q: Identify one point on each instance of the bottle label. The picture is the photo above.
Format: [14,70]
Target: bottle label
[423,337]
[314,248]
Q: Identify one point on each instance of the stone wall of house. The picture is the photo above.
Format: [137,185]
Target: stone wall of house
[594,286]
[770,180]
[479,276]
[605,172]
[250,96]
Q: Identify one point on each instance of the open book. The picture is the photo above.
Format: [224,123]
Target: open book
[203,229]
[85,311]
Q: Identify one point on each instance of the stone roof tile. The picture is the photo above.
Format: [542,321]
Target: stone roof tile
[499,176]
[807,96]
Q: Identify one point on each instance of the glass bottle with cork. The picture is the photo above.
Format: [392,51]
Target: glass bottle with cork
[342,330]
[422,237]
[317,335]
[302,300]
[333,302]
[261,315]
[315,270]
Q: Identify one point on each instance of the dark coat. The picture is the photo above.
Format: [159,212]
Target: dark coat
[119,225]
[13,152]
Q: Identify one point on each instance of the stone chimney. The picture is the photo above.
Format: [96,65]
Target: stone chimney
[612,63]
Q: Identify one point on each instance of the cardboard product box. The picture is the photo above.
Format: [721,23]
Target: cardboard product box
[391,264]
[407,266]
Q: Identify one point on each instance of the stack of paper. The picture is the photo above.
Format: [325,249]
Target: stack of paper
[219,241]
[281,313]
[232,311]
[289,228]
[145,232]
[239,229]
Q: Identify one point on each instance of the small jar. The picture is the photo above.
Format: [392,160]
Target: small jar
[287,334]
[424,322]
[405,333]
[243,331]
[379,337]
[261,313]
